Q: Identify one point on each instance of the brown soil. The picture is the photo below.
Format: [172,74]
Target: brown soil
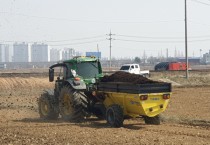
[127,77]
[186,120]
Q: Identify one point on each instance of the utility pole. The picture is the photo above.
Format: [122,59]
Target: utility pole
[110,46]
[166,54]
[186,52]
[144,56]
[200,54]
[98,51]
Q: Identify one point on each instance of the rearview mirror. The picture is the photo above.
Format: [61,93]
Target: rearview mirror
[51,75]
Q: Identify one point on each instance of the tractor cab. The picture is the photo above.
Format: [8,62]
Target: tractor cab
[78,72]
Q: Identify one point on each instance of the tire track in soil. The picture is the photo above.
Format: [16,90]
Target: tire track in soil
[16,107]
[190,126]
[176,131]
[186,121]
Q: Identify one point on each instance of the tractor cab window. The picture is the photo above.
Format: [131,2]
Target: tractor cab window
[67,72]
[87,69]
[59,73]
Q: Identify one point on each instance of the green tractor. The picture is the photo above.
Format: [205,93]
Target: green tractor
[73,95]
[80,93]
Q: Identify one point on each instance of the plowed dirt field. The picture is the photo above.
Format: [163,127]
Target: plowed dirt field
[186,121]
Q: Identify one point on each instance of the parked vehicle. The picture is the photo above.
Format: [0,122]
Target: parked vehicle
[172,66]
[134,69]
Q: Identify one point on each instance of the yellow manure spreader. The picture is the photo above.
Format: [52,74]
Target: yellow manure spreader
[123,100]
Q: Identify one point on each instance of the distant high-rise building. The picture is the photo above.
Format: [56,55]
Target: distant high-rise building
[21,52]
[68,53]
[206,58]
[55,54]
[40,53]
[4,53]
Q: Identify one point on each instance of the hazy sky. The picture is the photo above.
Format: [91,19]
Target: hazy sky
[139,25]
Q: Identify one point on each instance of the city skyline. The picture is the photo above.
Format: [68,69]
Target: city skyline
[55,54]
[138,26]
[39,53]
[34,52]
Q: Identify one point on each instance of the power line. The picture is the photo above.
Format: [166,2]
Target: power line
[84,38]
[49,18]
[100,40]
[55,41]
[151,37]
[90,21]
[197,1]
[133,48]
[148,41]
[194,22]
[78,43]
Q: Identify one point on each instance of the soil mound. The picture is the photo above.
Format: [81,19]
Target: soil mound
[121,76]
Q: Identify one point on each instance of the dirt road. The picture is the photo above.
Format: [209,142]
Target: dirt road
[186,121]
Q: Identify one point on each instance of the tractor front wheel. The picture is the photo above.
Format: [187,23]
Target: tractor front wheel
[73,104]
[114,116]
[47,108]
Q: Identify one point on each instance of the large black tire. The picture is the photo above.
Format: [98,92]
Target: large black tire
[114,116]
[48,108]
[73,104]
[152,120]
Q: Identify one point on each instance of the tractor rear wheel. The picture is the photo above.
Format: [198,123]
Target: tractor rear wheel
[47,106]
[73,104]
[114,116]
[152,120]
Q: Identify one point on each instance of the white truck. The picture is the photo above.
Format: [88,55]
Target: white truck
[134,69]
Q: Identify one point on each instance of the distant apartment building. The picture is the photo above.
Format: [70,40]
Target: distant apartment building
[55,55]
[68,53]
[4,53]
[21,52]
[206,58]
[40,52]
